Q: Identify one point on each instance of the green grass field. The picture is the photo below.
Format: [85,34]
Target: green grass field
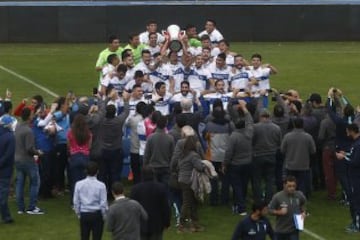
[307,67]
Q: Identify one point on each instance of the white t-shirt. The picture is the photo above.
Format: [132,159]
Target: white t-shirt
[142,67]
[144,38]
[215,36]
[153,50]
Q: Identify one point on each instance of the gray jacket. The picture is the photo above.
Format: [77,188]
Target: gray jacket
[267,138]
[298,146]
[25,143]
[159,149]
[239,148]
[111,130]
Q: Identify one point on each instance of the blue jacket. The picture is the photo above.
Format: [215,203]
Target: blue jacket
[7,152]
[43,141]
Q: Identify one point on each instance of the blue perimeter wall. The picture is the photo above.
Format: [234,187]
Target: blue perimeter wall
[238,21]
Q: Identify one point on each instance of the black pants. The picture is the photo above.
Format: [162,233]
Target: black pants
[91,222]
[136,163]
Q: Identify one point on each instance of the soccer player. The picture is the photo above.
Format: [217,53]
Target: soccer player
[151,27]
[214,34]
[135,46]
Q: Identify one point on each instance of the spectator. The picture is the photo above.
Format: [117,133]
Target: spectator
[90,204]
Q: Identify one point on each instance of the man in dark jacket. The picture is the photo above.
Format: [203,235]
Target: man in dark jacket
[154,199]
[7,155]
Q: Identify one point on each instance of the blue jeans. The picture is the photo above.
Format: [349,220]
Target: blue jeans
[77,166]
[24,169]
[4,194]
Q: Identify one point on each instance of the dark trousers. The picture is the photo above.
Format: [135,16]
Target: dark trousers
[302,179]
[263,172]
[4,195]
[47,172]
[279,170]
[341,172]
[162,175]
[136,163]
[91,223]
[239,178]
[152,236]
[189,206]
[328,158]
[287,236]
[61,164]
[225,186]
[111,167]
[355,198]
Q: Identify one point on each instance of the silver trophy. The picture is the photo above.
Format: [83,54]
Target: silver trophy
[174,32]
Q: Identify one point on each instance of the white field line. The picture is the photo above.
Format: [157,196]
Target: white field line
[314,235]
[25,79]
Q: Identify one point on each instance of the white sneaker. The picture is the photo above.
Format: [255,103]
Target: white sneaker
[20,212]
[35,211]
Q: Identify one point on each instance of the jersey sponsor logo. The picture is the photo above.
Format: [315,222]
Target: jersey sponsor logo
[220,76]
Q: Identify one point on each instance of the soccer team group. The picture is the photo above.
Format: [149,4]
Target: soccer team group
[192,116]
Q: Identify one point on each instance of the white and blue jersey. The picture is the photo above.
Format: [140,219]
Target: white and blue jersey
[164,105]
[262,75]
[179,96]
[178,74]
[240,79]
[220,74]
[119,84]
[198,79]
[141,66]
[145,86]
[211,97]
[161,74]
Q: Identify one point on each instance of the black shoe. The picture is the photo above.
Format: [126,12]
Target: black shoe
[9,221]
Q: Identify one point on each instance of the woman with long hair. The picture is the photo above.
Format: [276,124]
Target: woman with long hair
[79,143]
[189,160]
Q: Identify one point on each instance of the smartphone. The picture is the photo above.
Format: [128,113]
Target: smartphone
[95,91]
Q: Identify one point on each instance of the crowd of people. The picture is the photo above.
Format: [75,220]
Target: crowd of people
[191,122]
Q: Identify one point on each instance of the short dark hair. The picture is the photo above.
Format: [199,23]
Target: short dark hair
[132,35]
[224,41]
[222,56]
[122,68]
[279,110]
[92,168]
[140,107]
[189,26]
[161,122]
[138,74]
[39,99]
[211,20]
[256,55]
[25,114]
[111,58]
[353,127]
[152,33]
[124,55]
[158,85]
[190,144]
[259,205]
[136,86]
[185,82]
[145,51]
[217,81]
[204,37]
[181,120]
[298,122]
[112,38]
[117,188]
[239,124]
[348,110]
[289,178]
[151,21]
[110,111]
